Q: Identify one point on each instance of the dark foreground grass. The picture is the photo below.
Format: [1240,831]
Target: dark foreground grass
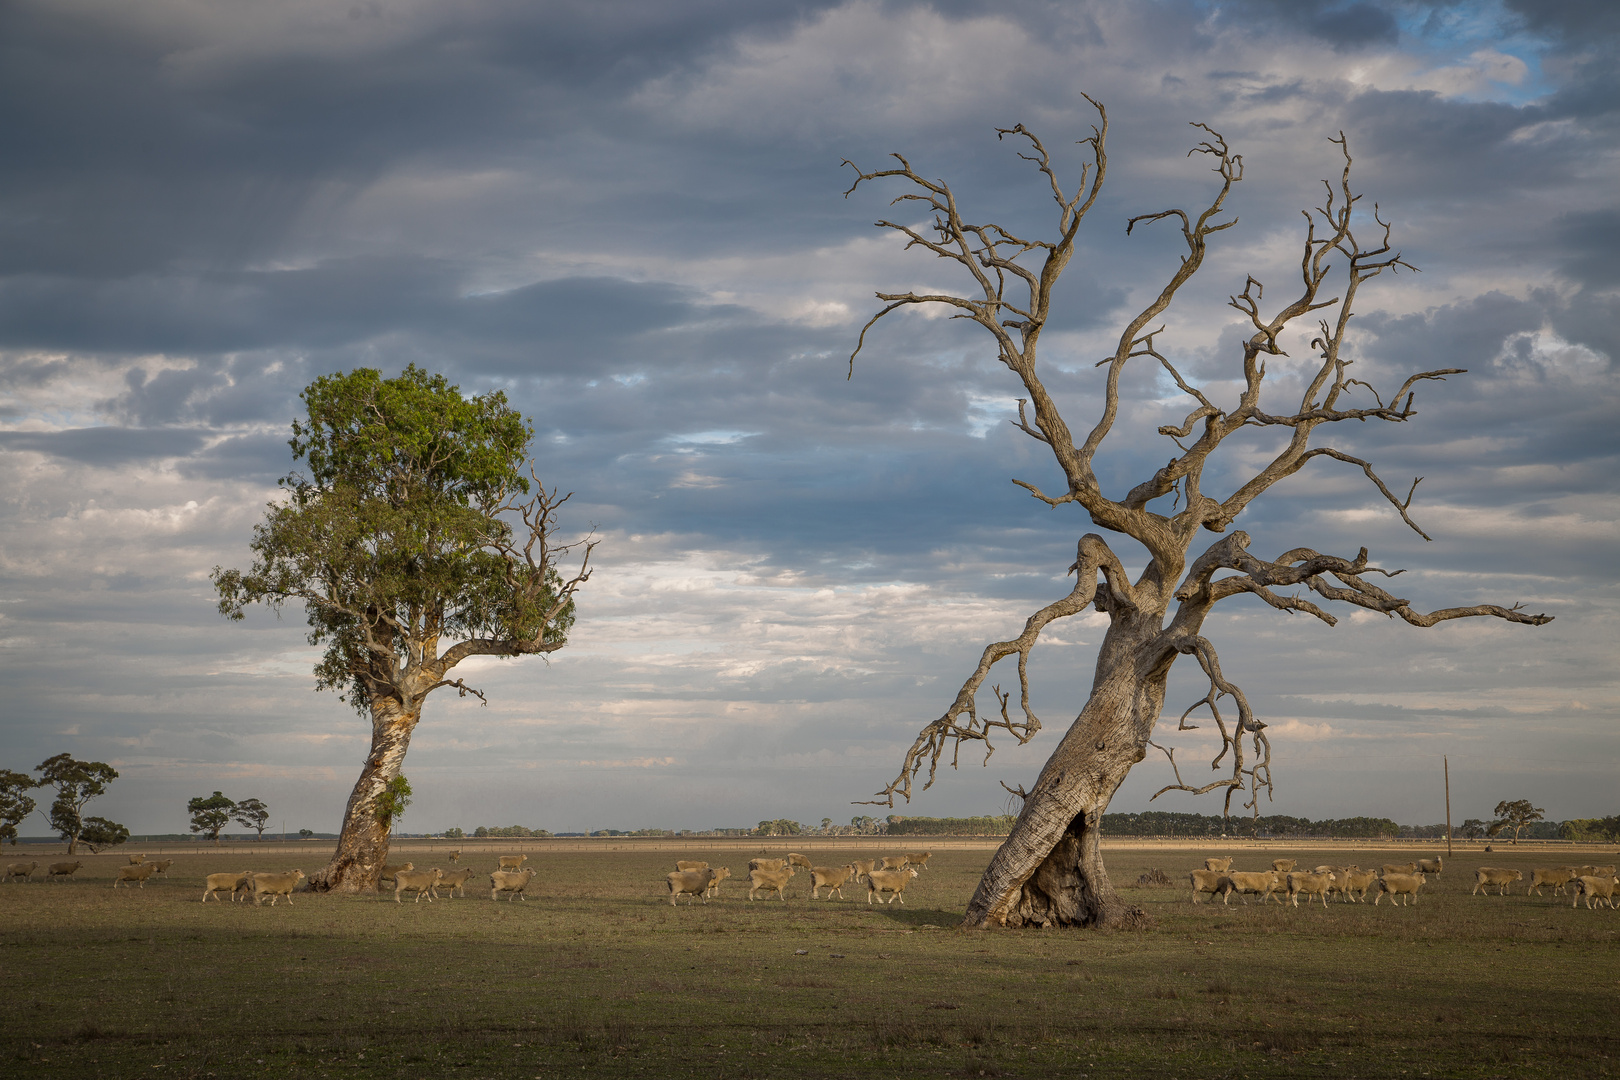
[597,975]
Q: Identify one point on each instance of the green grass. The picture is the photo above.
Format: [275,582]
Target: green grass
[596,975]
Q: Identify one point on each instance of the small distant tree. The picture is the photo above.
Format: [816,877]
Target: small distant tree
[99,833]
[1514,815]
[15,804]
[252,814]
[454,834]
[76,783]
[210,815]
[1472,829]
[305,834]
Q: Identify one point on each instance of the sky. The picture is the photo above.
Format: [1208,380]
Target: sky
[632,218]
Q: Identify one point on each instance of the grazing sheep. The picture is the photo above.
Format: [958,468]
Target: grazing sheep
[688,864]
[919,859]
[892,862]
[1590,886]
[231,883]
[162,866]
[1397,886]
[23,870]
[1431,866]
[862,868]
[830,877]
[512,862]
[767,864]
[1262,884]
[795,859]
[1283,866]
[137,873]
[1401,868]
[889,881]
[136,860]
[1558,877]
[62,869]
[275,886]
[719,875]
[1357,882]
[1220,866]
[389,871]
[454,856]
[1486,876]
[416,881]
[509,881]
[1309,884]
[693,883]
[769,880]
[1209,881]
[455,879]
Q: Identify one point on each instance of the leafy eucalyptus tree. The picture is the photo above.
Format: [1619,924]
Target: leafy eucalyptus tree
[76,783]
[419,536]
[1050,871]
[210,814]
[15,804]
[252,814]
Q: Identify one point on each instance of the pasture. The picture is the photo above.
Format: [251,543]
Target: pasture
[597,975]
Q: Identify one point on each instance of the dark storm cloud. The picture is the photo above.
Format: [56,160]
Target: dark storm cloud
[1343,25]
[106,445]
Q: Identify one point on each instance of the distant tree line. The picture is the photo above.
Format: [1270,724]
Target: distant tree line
[990,825]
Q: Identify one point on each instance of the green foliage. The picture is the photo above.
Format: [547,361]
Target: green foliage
[15,804]
[779,827]
[1514,815]
[507,831]
[1591,830]
[306,833]
[396,538]
[392,802]
[211,814]
[76,783]
[253,814]
[99,833]
[1170,823]
[454,834]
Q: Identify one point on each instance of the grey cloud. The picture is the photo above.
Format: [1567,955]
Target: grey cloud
[106,445]
[1592,242]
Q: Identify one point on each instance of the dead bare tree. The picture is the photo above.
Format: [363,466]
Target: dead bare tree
[1050,871]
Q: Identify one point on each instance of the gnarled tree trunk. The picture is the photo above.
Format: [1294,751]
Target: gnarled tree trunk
[363,844]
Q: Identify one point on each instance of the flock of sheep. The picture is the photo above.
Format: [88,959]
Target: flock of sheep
[889,874]
[1393,879]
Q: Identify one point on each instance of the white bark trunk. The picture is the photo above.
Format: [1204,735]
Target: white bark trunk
[362,847]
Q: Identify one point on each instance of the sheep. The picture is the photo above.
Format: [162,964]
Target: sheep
[417,881]
[889,881]
[1486,876]
[768,880]
[1397,886]
[919,859]
[509,881]
[693,883]
[454,856]
[275,886]
[688,864]
[1431,866]
[23,870]
[136,860]
[137,873]
[455,879]
[1557,877]
[1283,866]
[719,875]
[1589,885]
[832,877]
[1358,882]
[1401,868]
[512,862]
[766,864]
[390,870]
[1209,881]
[892,862]
[1220,866]
[1262,884]
[62,869]
[1309,884]
[162,866]
[795,859]
[862,868]
[231,883]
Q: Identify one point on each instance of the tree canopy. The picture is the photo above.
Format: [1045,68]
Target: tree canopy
[76,783]
[15,803]
[210,814]
[253,814]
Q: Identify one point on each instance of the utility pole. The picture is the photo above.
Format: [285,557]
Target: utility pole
[1446,764]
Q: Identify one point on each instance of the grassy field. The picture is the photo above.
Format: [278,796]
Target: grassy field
[596,975]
